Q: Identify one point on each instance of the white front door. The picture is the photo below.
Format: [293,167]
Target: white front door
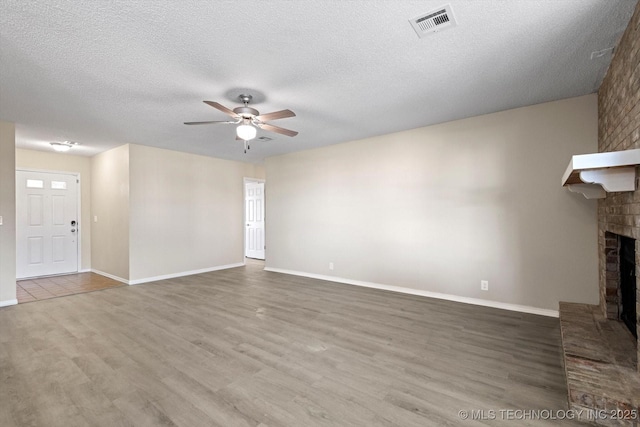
[254,214]
[46,224]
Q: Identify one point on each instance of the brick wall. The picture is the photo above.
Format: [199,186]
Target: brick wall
[619,129]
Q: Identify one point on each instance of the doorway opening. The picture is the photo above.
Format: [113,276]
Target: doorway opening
[254,219]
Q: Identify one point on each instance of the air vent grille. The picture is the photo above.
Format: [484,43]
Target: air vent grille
[434,21]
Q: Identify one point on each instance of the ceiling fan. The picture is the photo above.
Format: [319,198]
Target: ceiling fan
[248,119]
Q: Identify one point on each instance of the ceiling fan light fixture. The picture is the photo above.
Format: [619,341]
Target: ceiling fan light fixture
[62,146]
[248,119]
[246,132]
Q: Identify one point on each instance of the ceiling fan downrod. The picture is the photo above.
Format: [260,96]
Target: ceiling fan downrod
[245,99]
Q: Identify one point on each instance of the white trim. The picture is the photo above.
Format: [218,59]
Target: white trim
[245,180]
[8,302]
[110,276]
[79,223]
[184,273]
[419,292]
[46,171]
[86,270]
[167,276]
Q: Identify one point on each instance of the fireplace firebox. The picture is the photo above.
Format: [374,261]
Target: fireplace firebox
[627,305]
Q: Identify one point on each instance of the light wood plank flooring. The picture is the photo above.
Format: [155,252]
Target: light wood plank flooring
[245,347]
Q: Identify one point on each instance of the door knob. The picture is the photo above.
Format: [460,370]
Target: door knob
[73,230]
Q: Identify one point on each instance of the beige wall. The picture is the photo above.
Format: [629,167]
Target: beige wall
[57,162]
[186,212]
[258,172]
[440,208]
[110,203]
[8,213]
[166,213]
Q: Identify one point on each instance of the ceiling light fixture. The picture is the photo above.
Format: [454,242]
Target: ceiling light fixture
[63,146]
[246,131]
[249,119]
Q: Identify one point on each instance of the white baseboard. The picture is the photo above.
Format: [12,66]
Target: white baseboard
[8,302]
[86,270]
[184,273]
[419,292]
[110,276]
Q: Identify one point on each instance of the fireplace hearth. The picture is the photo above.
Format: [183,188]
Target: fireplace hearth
[600,344]
[600,363]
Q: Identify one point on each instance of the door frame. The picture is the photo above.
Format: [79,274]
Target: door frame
[79,207]
[245,181]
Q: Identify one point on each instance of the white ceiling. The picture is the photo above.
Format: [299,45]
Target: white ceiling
[105,73]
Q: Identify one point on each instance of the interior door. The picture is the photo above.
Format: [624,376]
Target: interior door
[46,224]
[254,215]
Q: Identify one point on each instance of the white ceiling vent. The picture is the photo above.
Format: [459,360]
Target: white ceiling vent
[436,20]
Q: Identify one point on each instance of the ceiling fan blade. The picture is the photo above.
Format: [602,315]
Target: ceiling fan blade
[207,123]
[222,108]
[276,129]
[283,114]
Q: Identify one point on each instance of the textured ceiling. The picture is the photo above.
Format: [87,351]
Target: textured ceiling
[105,73]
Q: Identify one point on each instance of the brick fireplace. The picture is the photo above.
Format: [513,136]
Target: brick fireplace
[600,354]
[619,129]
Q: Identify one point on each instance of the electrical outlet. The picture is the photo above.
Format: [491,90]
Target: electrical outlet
[330,266]
[95,218]
[0,219]
[484,285]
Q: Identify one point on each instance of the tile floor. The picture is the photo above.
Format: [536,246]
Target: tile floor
[57,286]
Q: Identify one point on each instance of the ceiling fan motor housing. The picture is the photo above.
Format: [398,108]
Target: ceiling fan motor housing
[246,112]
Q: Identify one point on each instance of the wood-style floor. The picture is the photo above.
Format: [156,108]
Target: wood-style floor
[57,286]
[245,347]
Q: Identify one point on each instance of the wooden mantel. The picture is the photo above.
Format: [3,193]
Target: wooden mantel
[595,175]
